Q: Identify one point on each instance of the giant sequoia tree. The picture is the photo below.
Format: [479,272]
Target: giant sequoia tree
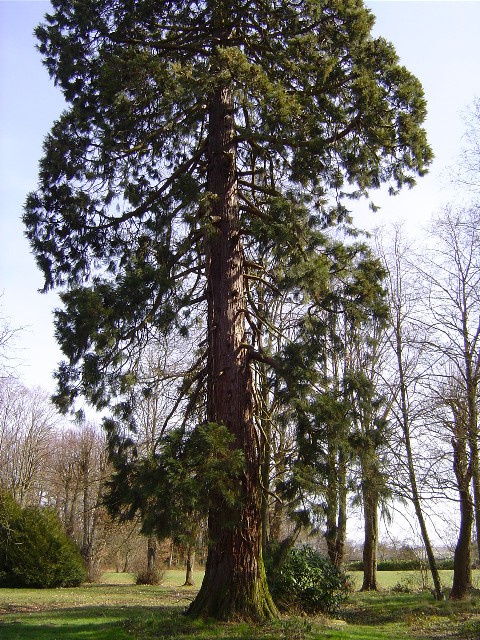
[197,135]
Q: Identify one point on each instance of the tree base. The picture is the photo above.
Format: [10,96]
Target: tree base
[234,600]
[459,592]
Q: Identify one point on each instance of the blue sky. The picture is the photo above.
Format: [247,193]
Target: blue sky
[438,41]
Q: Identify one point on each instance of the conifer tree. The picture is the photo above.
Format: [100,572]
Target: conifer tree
[330,387]
[197,134]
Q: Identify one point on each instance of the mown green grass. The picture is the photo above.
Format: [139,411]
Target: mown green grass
[386,579]
[120,610]
[90,623]
[171,578]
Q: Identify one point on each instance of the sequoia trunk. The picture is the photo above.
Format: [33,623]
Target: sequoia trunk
[234,585]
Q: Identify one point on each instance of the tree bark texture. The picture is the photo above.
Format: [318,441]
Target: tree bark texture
[234,585]
[277,515]
[189,581]
[265,474]
[336,515]
[341,540]
[476,505]
[151,553]
[462,560]
[332,503]
[370,515]
[472,393]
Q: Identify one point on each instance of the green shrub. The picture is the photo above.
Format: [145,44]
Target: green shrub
[413,564]
[150,576]
[355,565]
[406,585]
[307,581]
[34,550]
[447,563]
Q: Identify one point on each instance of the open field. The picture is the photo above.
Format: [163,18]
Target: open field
[119,610]
[386,579]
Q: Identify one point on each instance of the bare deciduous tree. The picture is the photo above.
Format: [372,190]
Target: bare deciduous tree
[7,339]
[408,369]
[451,267]
[75,486]
[28,420]
[466,172]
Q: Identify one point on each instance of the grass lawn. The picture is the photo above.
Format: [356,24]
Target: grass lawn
[119,610]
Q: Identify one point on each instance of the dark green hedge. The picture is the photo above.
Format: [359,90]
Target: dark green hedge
[400,565]
[34,550]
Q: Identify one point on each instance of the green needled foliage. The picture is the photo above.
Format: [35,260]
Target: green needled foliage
[34,550]
[171,489]
[205,151]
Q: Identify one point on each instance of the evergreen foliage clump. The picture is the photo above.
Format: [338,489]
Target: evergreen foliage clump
[171,490]
[34,550]
[307,581]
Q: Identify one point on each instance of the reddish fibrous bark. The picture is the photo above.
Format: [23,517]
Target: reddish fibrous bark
[234,585]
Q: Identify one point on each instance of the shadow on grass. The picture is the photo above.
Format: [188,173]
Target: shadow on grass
[384,607]
[418,612]
[173,624]
[101,622]
[105,622]
[369,616]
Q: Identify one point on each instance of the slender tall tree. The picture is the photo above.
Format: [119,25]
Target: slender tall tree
[455,419]
[330,398]
[7,344]
[369,412]
[407,344]
[197,132]
[452,270]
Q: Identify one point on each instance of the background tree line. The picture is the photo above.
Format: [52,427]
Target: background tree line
[46,461]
